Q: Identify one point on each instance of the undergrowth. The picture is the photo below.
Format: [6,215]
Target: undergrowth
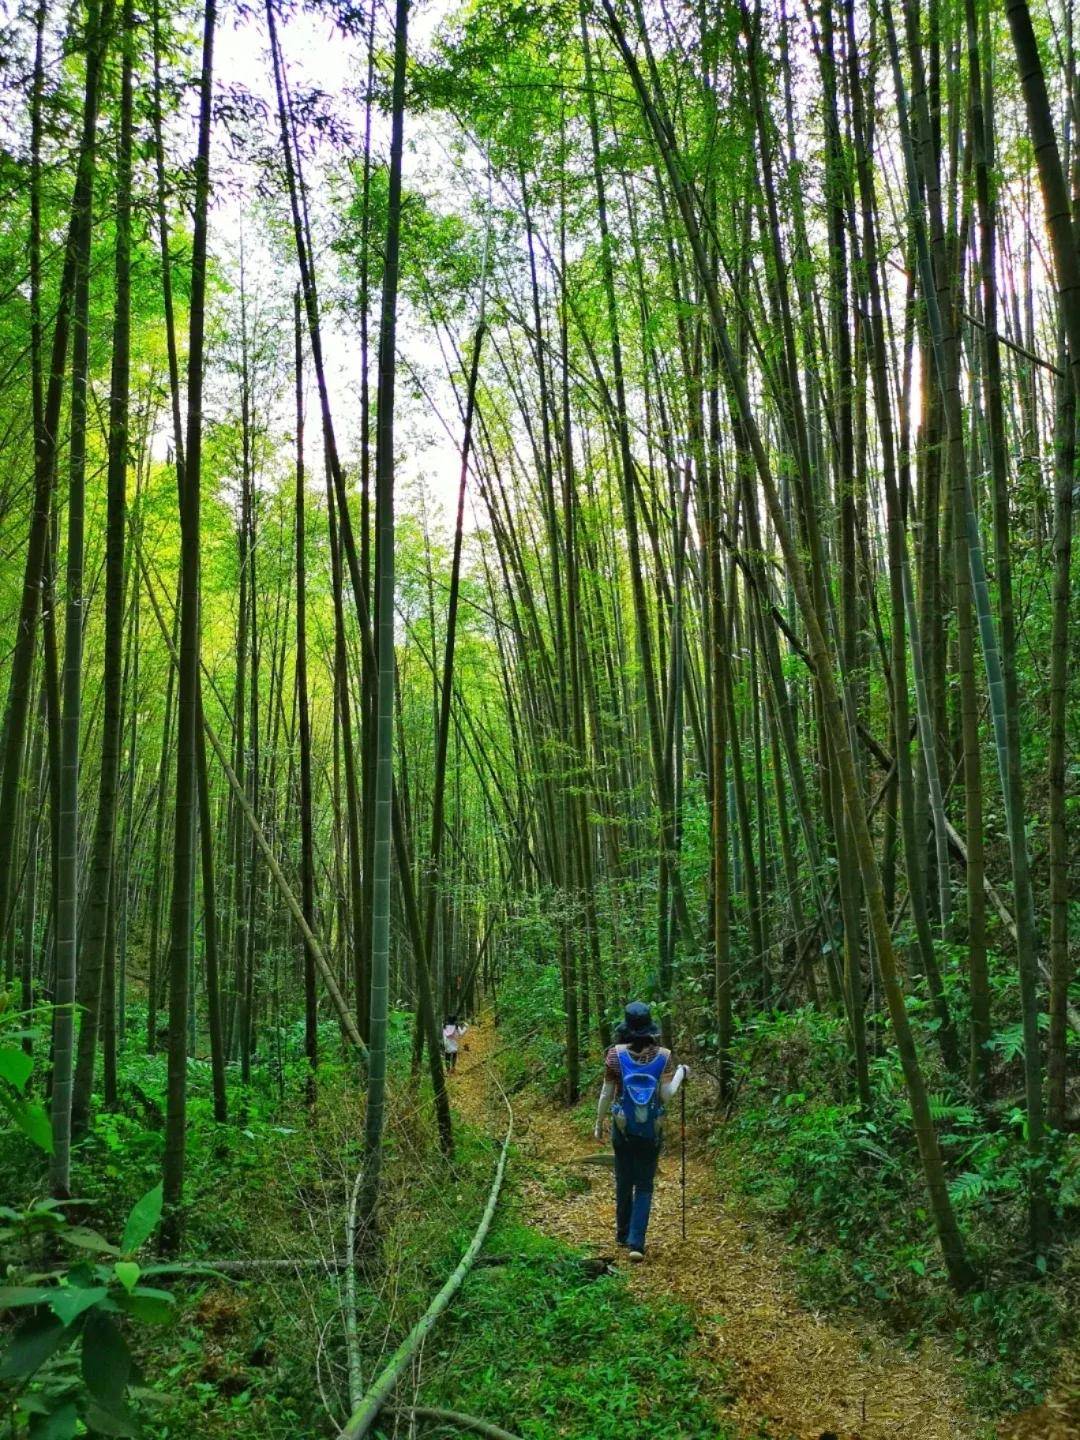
[848,1192]
[532,1342]
[543,1349]
[535,1342]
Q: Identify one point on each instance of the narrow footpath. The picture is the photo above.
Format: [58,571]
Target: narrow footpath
[783,1372]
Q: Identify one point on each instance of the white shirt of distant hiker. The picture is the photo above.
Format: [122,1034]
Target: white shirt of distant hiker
[452,1032]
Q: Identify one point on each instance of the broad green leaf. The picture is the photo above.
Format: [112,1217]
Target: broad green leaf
[31,1119]
[12,1296]
[31,1345]
[62,1424]
[127,1272]
[155,1309]
[145,1214]
[16,1066]
[87,1239]
[104,1421]
[69,1301]
[106,1362]
[35,1124]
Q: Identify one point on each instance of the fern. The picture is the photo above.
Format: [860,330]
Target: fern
[942,1108]
[1008,1043]
[968,1188]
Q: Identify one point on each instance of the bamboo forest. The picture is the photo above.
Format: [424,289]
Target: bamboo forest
[540,744]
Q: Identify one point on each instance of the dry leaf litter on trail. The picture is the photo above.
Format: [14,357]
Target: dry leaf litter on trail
[787,1372]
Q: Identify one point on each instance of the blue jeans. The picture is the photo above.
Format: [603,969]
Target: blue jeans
[635,1170]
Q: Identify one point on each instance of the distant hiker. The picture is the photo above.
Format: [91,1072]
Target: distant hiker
[640,1077]
[452,1032]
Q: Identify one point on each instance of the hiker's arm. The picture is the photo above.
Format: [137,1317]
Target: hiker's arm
[670,1088]
[603,1105]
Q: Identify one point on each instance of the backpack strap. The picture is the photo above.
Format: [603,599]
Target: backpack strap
[658,1064]
[627,1062]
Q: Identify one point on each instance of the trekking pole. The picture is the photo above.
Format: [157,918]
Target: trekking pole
[682,1097]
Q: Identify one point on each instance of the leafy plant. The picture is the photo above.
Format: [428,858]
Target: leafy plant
[16,1069]
[68,1358]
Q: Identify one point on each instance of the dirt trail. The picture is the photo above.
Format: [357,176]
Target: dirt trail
[783,1371]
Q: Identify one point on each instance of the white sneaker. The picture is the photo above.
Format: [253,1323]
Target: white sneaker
[636,1257]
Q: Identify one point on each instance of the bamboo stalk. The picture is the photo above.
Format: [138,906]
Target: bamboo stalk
[296,910]
[455,1417]
[365,1414]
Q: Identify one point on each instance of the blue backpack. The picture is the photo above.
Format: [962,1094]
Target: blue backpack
[639,1110]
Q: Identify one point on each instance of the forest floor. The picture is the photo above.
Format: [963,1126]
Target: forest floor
[783,1371]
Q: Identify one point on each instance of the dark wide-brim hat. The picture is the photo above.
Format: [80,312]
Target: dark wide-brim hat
[638,1023]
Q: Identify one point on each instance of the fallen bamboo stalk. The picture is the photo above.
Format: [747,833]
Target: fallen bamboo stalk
[378,1393]
[266,1262]
[254,1263]
[352,1329]
[455,1417]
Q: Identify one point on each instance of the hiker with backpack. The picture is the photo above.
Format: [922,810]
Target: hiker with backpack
[640,1078]
[452,1031]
